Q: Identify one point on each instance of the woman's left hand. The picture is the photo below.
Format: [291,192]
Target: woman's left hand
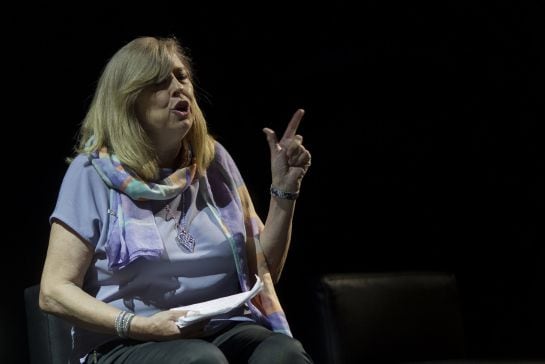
[289,158]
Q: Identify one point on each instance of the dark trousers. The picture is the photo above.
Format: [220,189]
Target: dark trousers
[242,343]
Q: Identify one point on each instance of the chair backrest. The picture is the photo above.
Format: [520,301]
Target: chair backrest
[390,317]
[49,338]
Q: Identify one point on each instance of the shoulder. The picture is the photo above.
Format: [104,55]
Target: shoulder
[82,172]
[224,163]
[81,165]
[80,162]
[222,157]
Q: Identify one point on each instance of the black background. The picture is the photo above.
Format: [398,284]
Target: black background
[422,120]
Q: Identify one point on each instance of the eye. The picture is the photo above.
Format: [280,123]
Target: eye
[181,76]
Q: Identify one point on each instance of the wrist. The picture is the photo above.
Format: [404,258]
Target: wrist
[123,322]
[283,194]
[138,328]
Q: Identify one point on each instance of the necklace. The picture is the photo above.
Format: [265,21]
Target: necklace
[184,239]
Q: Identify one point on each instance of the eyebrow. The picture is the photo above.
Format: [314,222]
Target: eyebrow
[179,69]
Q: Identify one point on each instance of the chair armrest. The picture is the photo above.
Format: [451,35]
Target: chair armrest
[49,338]
[390,317]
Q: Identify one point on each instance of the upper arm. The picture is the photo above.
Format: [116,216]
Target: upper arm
[68,258]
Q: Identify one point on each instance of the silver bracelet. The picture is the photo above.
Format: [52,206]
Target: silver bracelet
[118,323]
[127,324]
[283,194]
[123,323]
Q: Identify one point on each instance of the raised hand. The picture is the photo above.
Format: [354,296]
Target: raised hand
[289,158]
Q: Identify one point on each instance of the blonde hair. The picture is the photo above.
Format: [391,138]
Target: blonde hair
[111,119]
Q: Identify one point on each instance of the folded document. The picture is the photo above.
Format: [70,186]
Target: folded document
[218,306]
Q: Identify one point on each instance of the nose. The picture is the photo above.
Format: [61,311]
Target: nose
[179,89]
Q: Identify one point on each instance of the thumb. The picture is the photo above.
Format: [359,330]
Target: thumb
[272,140]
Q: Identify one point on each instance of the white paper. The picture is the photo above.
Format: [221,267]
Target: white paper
[206,309]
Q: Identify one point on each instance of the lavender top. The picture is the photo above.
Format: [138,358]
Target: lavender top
[147,287]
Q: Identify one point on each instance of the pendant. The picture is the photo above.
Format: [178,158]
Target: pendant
[185,240]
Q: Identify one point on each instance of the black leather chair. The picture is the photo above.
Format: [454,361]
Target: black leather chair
[365,318]
[389,318]
[49,337]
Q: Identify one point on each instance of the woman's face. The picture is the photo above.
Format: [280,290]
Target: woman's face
[164,109]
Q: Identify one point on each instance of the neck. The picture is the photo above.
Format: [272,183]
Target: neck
[170,157]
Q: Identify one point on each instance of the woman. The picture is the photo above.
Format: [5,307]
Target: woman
[153,214]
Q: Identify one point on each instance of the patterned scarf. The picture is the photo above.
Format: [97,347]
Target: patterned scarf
[243,227]
[226,192]
[135,234]
[266,305]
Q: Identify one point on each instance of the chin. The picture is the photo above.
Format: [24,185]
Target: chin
[182,129]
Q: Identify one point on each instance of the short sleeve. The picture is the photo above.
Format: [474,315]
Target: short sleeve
[82,203]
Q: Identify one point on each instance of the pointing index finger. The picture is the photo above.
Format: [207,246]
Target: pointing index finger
[291,129]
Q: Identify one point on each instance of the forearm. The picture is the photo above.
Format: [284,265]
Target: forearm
[71,303]
[276,236]
[289,163]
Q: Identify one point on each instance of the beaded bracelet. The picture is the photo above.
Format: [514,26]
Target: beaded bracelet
[283,194]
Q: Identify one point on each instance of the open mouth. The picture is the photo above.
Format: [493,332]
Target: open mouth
[181,108]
